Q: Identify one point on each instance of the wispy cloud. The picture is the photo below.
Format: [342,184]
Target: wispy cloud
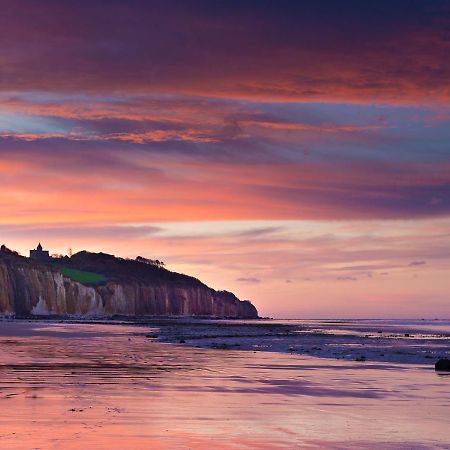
[416,263]
[248,280]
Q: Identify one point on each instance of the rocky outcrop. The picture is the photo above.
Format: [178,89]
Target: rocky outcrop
[442,365]
[130,288]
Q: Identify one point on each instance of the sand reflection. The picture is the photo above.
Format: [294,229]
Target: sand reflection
[104,386]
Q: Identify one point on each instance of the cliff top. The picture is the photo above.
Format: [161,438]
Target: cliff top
[96,268]
[8,254]
[122,269]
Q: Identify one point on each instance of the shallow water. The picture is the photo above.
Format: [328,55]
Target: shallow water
[107,386]
[398,341]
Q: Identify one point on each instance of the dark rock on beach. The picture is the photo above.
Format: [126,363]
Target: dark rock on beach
[442,365]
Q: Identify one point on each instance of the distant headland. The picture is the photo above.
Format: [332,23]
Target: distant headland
[101,285]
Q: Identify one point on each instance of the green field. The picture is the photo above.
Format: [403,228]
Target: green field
[81,276]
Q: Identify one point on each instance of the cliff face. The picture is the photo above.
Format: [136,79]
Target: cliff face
[129,288]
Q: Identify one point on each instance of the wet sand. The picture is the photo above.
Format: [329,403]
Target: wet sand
[67,386]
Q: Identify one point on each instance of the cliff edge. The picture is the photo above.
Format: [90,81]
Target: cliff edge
[102,285]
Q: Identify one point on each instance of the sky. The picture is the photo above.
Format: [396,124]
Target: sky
[295,153]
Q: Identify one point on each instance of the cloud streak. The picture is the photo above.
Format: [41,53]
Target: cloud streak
[322,51]
[83,184]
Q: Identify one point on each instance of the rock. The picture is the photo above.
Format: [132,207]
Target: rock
[220,346]
[360,358]
[442,365]
[223,346]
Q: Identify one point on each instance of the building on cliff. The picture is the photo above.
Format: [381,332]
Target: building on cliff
[39,254]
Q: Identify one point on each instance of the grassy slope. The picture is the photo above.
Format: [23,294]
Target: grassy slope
[82,276]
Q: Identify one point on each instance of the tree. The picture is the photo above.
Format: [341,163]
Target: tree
[151,262]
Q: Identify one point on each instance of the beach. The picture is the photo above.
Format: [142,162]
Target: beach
[109,386]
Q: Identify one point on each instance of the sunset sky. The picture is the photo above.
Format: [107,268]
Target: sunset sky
[295,153]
